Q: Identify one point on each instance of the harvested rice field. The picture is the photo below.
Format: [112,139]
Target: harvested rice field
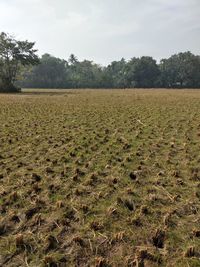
[100,178]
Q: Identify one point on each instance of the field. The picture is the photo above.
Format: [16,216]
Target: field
[100,178]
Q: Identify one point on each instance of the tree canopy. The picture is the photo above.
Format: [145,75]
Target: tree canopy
[181,70]
[13,55]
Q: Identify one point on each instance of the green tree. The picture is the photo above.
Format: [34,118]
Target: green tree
[117,72]
[72,59]
[142,72]
[84,74]
[180,70]
[50,73]
[13,55]
[87,75]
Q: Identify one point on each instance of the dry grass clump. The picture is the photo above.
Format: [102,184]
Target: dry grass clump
[19,241]
[51,243]
[190,252]
[101,262]
[126,202]
[96,226]
[36,177]
[159,238]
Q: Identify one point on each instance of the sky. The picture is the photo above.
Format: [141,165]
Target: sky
[105,30]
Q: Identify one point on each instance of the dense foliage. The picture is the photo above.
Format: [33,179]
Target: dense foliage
[19,66]
[179,71]
[14,55]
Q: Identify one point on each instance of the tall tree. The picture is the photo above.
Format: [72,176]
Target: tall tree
[142,72]
[50,73]
[72,59]
[180,70]
[117,72]
[13,55]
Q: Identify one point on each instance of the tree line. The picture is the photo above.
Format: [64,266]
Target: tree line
[21,67]
[181,70]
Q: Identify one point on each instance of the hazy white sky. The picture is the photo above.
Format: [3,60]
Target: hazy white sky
[105,30]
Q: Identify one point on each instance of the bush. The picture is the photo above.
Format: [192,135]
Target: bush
[9,89]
